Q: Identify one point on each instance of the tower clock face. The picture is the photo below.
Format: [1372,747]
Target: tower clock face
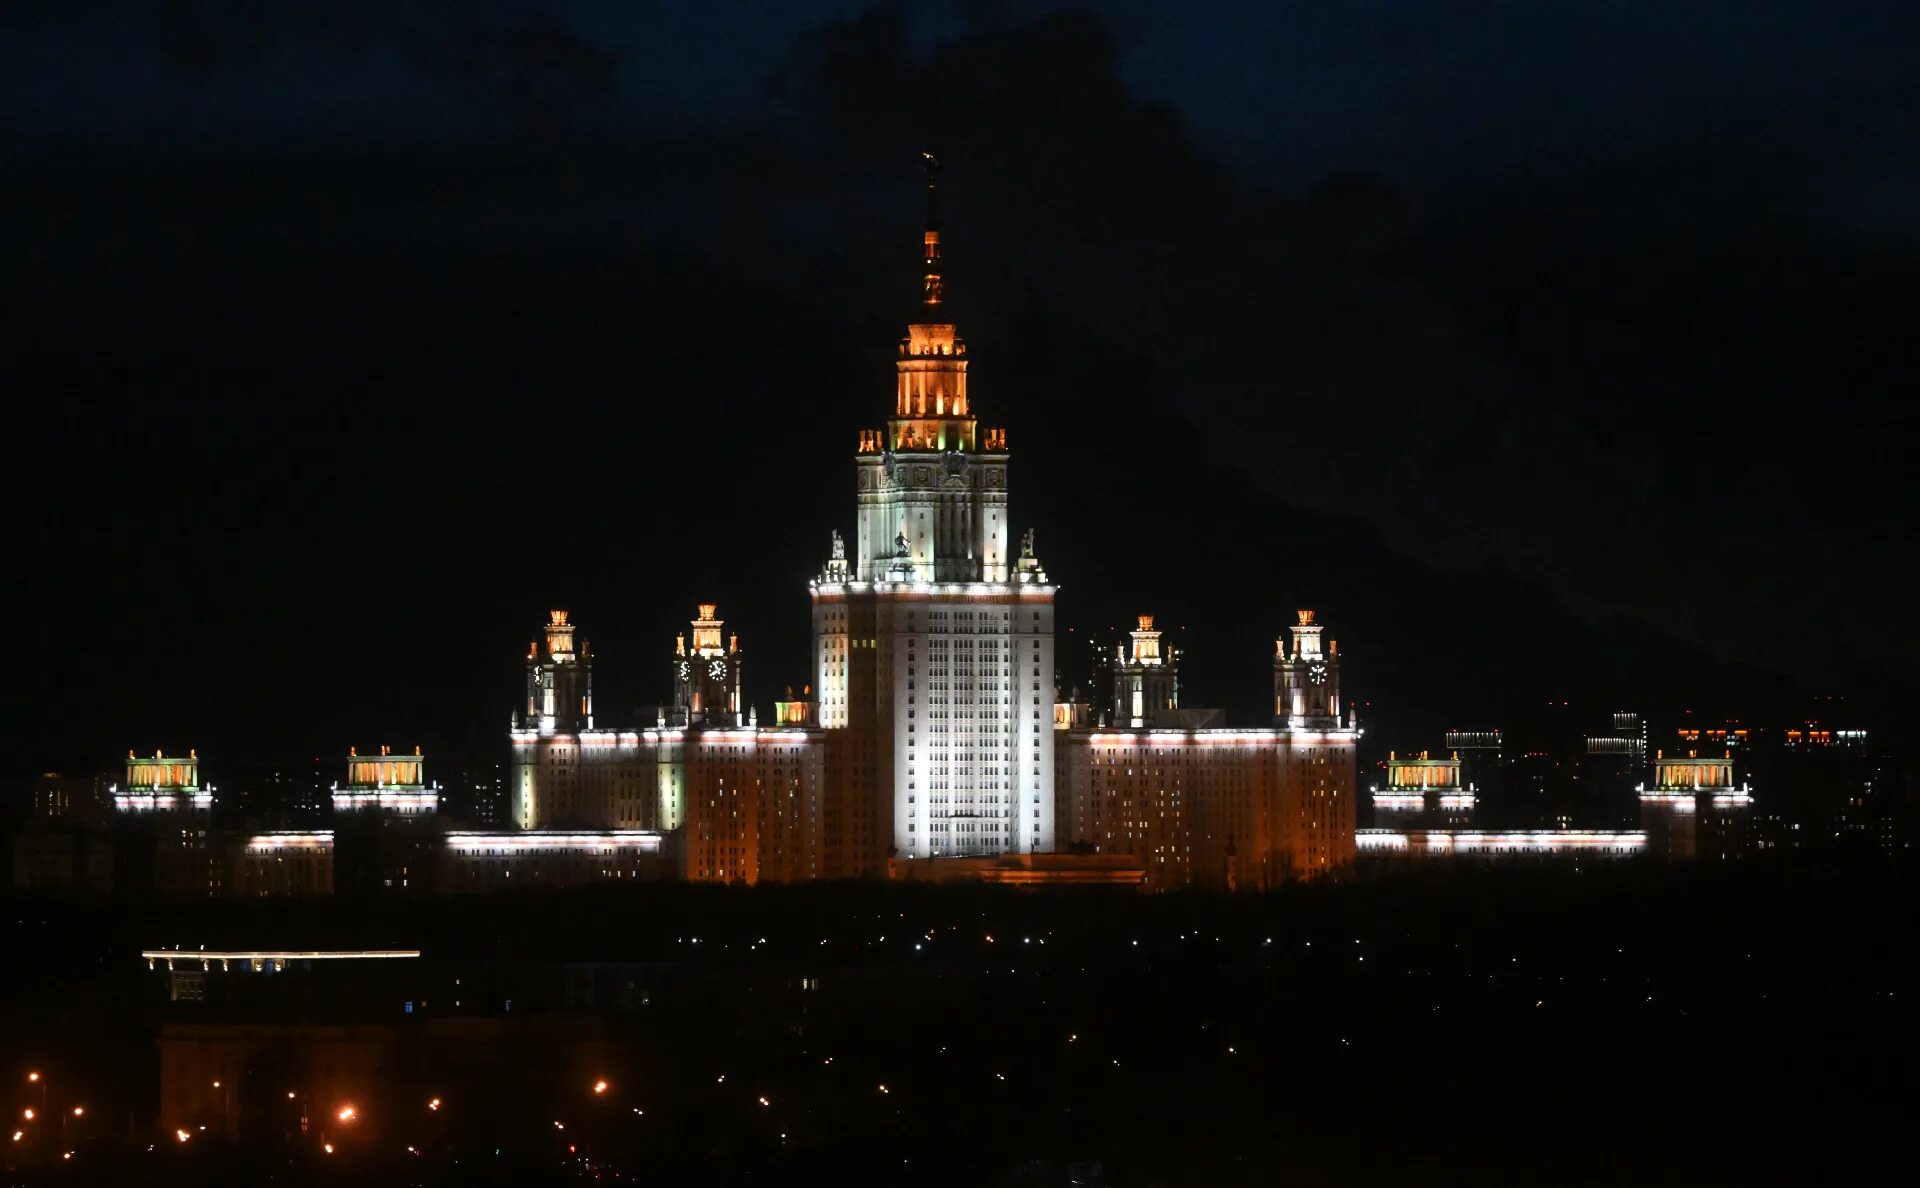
[686,670]
[1317,674]
[717,670]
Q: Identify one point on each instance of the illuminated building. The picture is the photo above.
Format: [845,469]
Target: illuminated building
[1613,767]
[162,827]
[384,820]
[706,676]
[1426,811]
[1145,677]
[473,861]
[566,773]
[743,801]
[1422,789]
[162,785]
[933,640]
[1482,767]
[1501,843]
[1208,806]
[1146,684]
[1694,808]
[752,805]
[285,863]
[386,783]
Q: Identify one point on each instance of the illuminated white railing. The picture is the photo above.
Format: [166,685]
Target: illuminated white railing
[406,801]
[1677,800]
[261,958]
[644,841]
[1447,842]
[275,843]
[1456,800]
[990,591]
[1216,737]
[151,802]
[1399,800]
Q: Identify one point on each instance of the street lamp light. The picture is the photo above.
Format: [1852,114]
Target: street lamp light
[599,1088]
[346,1113]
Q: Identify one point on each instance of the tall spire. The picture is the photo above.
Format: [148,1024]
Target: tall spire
[932,289]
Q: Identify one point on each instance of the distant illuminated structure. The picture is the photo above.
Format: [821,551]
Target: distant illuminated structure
[933,642]
[1501,843]
[706,676]
[744,801]
[1198,804]
[1420,788]
[474,861]
[1306,682]
[1693,799]
[161,784]
[566,773]
[163,829]
[1427,811]
[386,783]
[1629,739]
[1612,767]
[286,863]
[1146,682]
[1482,755]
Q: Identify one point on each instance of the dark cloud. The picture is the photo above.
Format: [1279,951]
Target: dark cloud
[1611,428]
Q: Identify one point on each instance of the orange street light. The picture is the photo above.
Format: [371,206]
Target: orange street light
[182,1135]
[346,1113]
[433,1104]
[18,1135]
[327,1147]
[216,1084]
[27,1113]
[600,1087]
[79,1111]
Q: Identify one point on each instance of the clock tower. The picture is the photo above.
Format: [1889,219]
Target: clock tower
[706,675]
[559,680]
[1306,681]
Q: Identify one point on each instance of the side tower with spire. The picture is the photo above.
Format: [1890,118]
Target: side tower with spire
[933,643]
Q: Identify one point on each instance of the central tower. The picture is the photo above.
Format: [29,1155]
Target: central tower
[933,643]
[932,485]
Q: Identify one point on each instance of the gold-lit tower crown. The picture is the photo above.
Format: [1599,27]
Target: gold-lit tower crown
[559,635]
[931,412]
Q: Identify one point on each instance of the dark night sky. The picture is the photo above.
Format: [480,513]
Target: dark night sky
[1551,349]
